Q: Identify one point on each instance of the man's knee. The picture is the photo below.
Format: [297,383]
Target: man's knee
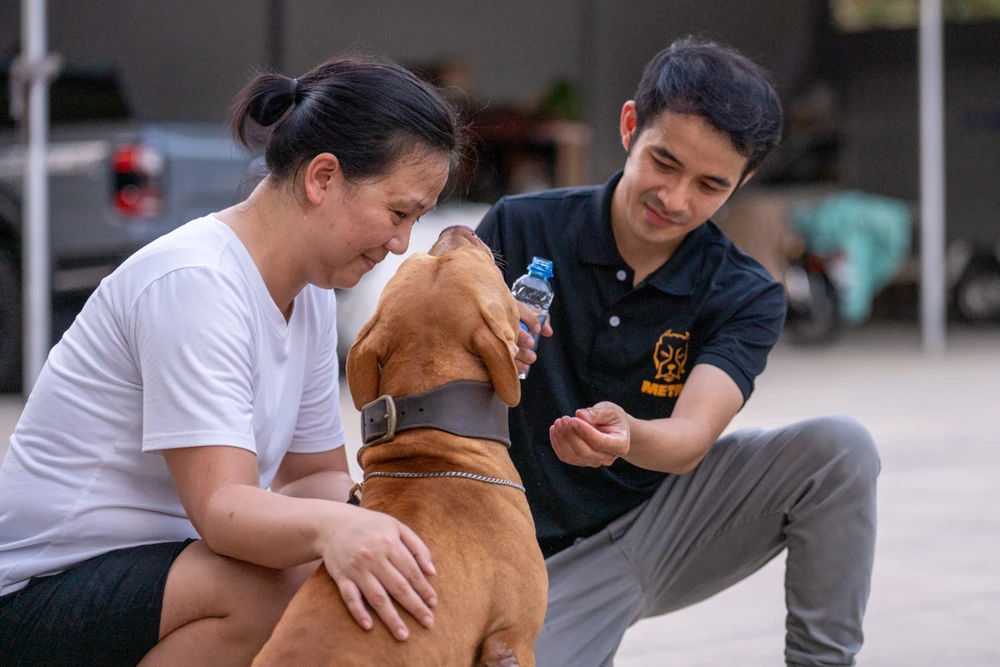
[842,445]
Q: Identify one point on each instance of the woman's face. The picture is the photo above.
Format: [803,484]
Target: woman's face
[355,225]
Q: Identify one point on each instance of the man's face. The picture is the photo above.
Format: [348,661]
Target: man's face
[680,170]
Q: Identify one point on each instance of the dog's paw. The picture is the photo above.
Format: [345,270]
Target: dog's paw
[497,652]
[504,661]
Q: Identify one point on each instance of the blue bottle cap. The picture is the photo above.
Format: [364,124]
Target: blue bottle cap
[541,266]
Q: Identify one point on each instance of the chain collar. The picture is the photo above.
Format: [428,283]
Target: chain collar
[354,497]
[463,475]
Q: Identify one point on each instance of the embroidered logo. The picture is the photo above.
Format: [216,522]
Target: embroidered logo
[670,358]
[671,355]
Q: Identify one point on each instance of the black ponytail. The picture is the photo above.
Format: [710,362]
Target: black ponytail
[263,103]
[366,111]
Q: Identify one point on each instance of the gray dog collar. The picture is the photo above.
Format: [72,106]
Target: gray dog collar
[466,408]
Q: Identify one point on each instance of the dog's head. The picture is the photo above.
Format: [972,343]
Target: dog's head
[445,315]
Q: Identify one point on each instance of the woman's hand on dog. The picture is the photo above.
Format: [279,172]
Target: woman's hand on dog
[594,437]
[374,558]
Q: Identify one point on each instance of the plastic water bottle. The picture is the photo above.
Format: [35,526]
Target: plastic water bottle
[533,290]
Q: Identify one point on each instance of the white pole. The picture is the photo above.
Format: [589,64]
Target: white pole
[932,156]
[35,230]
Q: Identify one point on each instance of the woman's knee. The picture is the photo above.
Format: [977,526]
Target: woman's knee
[249,599]
[260,599]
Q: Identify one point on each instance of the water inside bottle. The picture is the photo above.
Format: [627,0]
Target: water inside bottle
[538,297]
[534,291]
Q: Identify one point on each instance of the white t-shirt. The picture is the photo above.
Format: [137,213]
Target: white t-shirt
[182,346]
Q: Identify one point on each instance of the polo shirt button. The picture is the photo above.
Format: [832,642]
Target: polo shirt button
[614,321]
[621,274]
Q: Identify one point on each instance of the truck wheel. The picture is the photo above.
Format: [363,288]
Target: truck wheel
[977,294]
[10,323]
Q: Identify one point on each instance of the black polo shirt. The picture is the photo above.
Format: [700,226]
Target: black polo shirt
[708,304]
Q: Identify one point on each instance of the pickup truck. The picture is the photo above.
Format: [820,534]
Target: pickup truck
[115,184]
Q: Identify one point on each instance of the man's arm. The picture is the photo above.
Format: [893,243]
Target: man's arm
[707,404]
[599,435]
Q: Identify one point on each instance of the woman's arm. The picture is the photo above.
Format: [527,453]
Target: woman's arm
[371,556]
[320,475]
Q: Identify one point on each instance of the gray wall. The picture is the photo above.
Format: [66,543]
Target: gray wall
[181,59]
[184,60]
[973,161]
[879,90]
[514,49]
[10,26]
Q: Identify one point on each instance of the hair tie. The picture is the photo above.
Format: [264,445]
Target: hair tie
[291,107]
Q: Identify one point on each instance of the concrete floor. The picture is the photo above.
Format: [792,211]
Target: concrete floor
[936,588]
[936,592]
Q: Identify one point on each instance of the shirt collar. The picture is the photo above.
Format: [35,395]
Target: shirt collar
[679,274]
[596,246]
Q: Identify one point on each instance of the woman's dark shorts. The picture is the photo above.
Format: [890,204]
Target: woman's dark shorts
[104,611]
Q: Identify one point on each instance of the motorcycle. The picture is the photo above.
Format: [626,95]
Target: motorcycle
[813,297]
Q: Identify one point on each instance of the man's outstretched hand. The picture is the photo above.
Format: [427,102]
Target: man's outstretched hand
[594,437]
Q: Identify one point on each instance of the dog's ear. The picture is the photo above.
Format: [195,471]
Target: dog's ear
[495,343]
[363,364]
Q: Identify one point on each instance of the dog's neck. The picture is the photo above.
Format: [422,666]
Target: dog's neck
[433,372]
[415,366]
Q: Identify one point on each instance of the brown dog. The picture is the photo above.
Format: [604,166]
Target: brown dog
[444,316]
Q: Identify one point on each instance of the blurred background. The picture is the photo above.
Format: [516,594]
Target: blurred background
[138,146]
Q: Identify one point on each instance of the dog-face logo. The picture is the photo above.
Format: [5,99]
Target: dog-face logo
[671,355]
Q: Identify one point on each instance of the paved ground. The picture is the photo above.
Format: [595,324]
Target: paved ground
[936,589]
[936,592]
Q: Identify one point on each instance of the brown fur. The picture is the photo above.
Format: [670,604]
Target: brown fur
[444,316]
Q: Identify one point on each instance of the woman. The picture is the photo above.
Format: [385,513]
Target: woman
[204,371]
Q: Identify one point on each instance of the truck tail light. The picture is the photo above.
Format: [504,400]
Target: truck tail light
[137,180]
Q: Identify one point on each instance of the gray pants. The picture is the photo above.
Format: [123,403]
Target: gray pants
[808,487]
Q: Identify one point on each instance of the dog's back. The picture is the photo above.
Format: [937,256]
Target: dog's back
[490,588]
[444,317]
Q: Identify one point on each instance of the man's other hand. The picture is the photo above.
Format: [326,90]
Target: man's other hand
[594,437]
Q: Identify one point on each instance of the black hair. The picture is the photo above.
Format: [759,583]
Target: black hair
[731,92]
[366,111]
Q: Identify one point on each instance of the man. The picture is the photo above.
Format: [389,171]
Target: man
[641,508]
